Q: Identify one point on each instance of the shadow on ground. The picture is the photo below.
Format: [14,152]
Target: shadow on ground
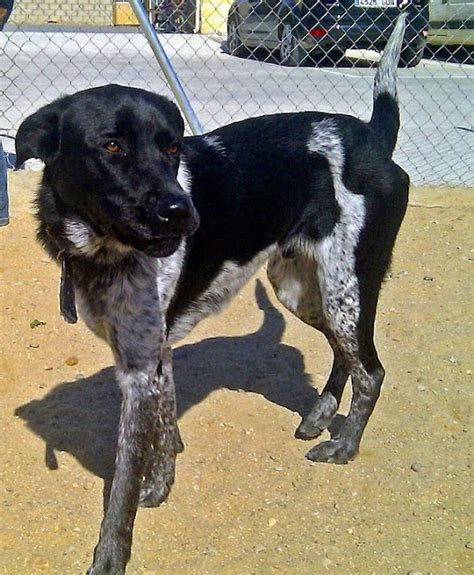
[81,417]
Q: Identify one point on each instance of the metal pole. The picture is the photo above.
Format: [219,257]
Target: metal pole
[166,66]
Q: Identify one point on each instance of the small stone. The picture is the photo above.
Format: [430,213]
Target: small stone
[272,522]
[260,548]
[421,387]
[469,545]
[417,467]
[38,563]
[415,573]
[72,360]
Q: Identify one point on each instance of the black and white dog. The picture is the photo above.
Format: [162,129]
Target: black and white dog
[316,195]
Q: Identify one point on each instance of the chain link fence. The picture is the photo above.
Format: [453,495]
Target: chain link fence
[255,57]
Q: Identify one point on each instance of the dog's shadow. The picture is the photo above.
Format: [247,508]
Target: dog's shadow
[81,417]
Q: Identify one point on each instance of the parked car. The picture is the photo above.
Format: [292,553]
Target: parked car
[302,30]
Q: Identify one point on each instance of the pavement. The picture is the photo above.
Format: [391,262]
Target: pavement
[436,138]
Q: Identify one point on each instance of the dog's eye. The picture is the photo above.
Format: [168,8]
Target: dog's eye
[113,148]
[173,149]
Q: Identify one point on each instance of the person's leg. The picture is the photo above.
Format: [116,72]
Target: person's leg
[4,217]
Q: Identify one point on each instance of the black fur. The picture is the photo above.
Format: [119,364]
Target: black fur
[318,195]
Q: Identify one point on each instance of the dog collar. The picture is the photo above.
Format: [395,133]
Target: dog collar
[67,296]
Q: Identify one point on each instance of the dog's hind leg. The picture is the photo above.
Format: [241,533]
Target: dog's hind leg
[323,289]
[350,309]
[160,473]
[295,281]
[325,408]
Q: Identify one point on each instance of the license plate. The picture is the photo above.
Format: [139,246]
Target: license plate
[375,3]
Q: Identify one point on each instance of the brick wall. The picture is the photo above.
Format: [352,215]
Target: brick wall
[96,12]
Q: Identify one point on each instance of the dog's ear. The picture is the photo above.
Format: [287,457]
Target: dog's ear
[38,136]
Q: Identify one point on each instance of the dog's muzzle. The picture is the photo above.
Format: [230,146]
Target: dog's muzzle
[161,224]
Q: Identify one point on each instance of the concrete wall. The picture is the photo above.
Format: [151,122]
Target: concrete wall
[96,12]
[106,12]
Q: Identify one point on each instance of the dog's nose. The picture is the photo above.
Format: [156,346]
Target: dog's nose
[173,210]
[177,214]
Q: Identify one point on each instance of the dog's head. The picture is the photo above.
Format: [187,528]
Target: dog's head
[112,157]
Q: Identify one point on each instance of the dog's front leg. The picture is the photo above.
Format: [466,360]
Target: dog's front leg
[137,419]
[136,334]
[159,476]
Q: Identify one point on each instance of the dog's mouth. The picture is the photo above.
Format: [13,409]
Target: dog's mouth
[162,247]
[155,226]
[159,246]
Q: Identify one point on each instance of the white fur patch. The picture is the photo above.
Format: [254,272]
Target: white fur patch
[87,243]
[184,177]
[216,143]
[335,253]
[169,270]
[79,234]
[226,284]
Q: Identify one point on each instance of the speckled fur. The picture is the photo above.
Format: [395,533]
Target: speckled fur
[318,195]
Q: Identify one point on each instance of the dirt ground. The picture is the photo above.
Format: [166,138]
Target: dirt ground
[246,501]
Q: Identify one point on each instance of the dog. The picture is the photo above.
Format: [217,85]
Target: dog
[155,231]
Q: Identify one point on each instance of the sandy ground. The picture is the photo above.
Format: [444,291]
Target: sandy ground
[246,501]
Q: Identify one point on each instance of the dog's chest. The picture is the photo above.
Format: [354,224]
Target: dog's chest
[115,298]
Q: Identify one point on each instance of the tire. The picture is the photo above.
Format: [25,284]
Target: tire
[235,47]
[411,55]
[291,51]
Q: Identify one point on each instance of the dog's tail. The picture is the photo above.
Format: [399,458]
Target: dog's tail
[385,120]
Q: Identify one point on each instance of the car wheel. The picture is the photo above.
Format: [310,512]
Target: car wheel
[291,52]
[411,55]
[234,41]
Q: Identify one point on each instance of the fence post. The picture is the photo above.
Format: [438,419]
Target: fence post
[166,66]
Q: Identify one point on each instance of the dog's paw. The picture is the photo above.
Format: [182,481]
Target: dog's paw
[319,418]
[157,484]
[108,562]
[332,451]
[154,493]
